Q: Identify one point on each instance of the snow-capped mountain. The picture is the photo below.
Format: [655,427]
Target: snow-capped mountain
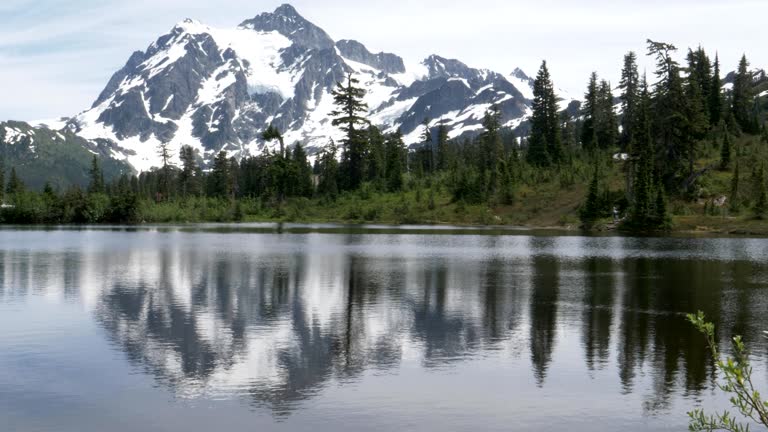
[217,89]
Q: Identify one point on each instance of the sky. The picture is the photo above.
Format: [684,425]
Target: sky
[57,55]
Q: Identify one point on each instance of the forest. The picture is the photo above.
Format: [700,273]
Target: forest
[673,149]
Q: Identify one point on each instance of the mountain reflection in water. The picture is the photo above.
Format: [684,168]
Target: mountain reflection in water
[276,320]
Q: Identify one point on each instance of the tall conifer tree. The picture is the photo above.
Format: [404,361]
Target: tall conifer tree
[743,97]
[96,177]
[716,95]
[544,142]
[589,111]
[630,93]
[395,152]
[349,116]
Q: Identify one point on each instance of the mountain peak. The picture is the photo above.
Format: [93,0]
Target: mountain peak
[443,67]
[288,22]
[217,89]
[287,10]
[518,73]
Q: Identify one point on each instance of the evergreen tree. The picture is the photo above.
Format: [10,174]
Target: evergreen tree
[395,151]
[189,178]
[96,184]
[641,214]
[700,75]
[15,185]
[606,127]
[630,93]
[590,113]
[2,180]
[697,122]
[234,177]
[661,216]
[544,147]
[427,143]
[716,95]
[590,212]
[376,157]
[329,171]
[735,198]
[670,109]
[443,161]
[349,117]
[273,133]
[303,183]
[725,152]
[743,97]
[220,183]
[569,133]
[280,170]
[490,139]
[164,183]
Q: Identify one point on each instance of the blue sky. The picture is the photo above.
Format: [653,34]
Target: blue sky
[57,55]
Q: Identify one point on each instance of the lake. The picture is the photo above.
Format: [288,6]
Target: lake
[330,328]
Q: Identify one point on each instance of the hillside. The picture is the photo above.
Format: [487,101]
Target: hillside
[59,157]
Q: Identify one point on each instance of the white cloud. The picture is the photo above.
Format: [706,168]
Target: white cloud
[56,55]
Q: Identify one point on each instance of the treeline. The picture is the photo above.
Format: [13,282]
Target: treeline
[655,138]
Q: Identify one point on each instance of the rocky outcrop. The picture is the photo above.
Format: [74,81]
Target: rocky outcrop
[385,62]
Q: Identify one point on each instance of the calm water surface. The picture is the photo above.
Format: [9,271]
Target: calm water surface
[223,328]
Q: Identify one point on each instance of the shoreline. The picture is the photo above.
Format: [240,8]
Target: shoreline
[682,228]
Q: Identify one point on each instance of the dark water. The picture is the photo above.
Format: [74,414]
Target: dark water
[248,329]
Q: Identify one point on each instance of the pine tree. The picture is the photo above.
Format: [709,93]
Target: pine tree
[376,157]
[743,97]
[589,111]
[349,117]
[725,152]
[671,111]
[490,138]
[220,180]
[15,185]
[544,142]
[427,143]
[164,184]
[735,198]
[273,133]
[697,122]
[700,74]
[642,159]
[395,152]
[234,177]
[630,93]
[303,183]
[2,180]
[590,212]
[189,180]
[96,185]
[607,127]
[329,170]
[443,158]
[716,95]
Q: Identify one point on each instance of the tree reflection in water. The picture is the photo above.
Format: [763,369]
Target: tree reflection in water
[278,325]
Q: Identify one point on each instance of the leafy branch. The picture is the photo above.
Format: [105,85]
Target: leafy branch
[737,381]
